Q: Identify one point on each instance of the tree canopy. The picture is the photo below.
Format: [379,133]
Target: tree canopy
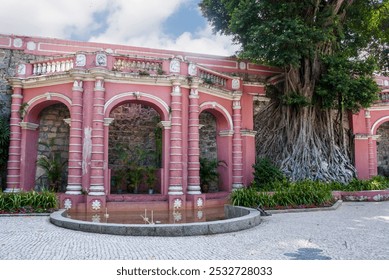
[328,51]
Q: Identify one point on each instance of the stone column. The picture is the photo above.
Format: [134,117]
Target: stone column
[175,164]
[237,154]
[97,160]
[13,167]
[74,186]
[194,142]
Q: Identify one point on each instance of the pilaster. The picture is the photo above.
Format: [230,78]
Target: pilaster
[237,153]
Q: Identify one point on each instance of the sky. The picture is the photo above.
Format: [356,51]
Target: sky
[162,24]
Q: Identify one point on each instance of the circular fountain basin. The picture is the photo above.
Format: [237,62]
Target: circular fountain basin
[235,219]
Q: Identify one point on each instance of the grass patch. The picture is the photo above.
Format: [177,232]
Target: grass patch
[28,202]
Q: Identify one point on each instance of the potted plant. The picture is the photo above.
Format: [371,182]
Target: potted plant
[208,173]
[150,178]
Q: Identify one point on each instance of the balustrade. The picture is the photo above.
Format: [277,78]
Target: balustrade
[212,79]
[128,65]
[48,67]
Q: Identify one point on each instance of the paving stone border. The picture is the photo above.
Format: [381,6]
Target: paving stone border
[240,218]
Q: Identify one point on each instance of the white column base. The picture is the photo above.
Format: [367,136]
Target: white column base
[96,190]
[73,189]
[237,186]
[175,190]
[12,190]
[194,190]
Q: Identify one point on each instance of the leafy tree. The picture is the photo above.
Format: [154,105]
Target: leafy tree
[327,52]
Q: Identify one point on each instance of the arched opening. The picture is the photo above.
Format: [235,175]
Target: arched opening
[208,153]
[135,149]
[53,148]
[383,149]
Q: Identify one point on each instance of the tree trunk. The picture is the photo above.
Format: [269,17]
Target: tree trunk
[303,140]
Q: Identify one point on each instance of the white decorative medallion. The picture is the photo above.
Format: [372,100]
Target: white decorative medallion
[242,65]
[200,202]
[67,204]
[235,84]
[192,69]
[177,203]
[18,43]
[96,204]
[31,46]
[22,69]
[200,214]
[177,216]
[101,59]
[96,218]
[175,66]
[80,60]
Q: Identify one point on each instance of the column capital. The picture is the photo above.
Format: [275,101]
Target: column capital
[78,85]
[108,121]
[28,125]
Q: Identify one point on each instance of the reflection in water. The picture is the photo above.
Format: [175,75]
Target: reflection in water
[307,254]
[149,216]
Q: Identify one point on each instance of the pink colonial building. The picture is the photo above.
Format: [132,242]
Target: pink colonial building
[91,80]
[88,86]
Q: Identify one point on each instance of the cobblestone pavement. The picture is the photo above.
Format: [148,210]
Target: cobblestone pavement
[354,231]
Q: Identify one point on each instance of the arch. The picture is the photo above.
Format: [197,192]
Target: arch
[38,103]
[377,124]
[139,97]
[220,113]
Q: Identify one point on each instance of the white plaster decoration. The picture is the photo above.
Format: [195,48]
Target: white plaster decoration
[177,204]
[165,124]
[109,50]
[177,216]
[200,214]
[96,204]
[108,121]
[248,132]
[48,96]
[28,125]
[386,83]
[235,84]
[137,95]
[200,202]
[194,92]
[101,59]
[96,218]
[99,85]
[175,66]
[77,85]
[361,136]
[224,133]
[31,46]
[22,69]
[80,60]
[192,69]
[367,114]
[242,65]
[176,89]
[18,43]
[236,104]
[68,121]
[67,204]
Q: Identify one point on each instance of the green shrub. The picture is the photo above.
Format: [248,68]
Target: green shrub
[286,194]
[28,202]
[375,183]
[266,174]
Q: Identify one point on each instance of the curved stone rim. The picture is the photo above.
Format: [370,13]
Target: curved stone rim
[241,218]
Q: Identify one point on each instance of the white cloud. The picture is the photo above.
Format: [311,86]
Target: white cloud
[130,22]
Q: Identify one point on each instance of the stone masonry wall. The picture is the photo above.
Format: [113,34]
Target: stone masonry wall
[383,150]
[133,132]
[208,147]
[53,139]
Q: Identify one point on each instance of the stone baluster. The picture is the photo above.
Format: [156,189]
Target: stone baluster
[194,142]
[237,154]
[175,168]
[74,186]
[97,159]
[13,167]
